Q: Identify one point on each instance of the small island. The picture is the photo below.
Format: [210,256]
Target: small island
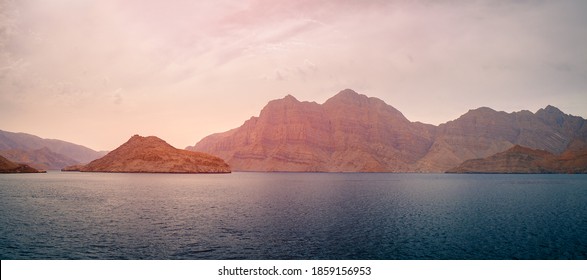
[153,155]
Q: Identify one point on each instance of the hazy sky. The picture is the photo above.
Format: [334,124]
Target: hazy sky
[97,72]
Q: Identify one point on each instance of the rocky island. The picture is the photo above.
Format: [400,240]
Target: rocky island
[153,155]
[7,166]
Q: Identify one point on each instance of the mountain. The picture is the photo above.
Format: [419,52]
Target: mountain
[28,142]
[351,132]
[7,166]
[153,155]
[43,158]
[520,159]
[483,132]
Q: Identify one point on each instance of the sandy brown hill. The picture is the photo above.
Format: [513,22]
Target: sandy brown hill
[7,166]
[153,155]
[520,159]
[349,132]
[43,158]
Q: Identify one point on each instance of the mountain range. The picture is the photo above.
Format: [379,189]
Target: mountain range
[351,132]
[43,153]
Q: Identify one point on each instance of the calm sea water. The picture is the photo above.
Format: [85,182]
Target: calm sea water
[292,216]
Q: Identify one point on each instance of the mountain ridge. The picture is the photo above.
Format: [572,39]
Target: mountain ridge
[28,142]
[351,132]
[43,158]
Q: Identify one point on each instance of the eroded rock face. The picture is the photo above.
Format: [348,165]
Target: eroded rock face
[351,132]
[153,155]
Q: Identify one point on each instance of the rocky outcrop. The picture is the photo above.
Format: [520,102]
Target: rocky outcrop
[7,166]
[43,158]
[352,132]
[520,159]
[153,155]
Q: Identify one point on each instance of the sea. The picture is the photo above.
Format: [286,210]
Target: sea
[292,216]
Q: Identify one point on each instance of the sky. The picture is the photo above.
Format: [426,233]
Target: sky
[97,72]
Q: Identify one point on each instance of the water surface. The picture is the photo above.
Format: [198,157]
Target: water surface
[292,216]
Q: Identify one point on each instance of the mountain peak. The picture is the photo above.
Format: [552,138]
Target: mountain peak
[153,140]
[482,110]
[349,93]
[550,110]
[290,97]
[348,96]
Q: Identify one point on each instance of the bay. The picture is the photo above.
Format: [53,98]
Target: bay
[275,216]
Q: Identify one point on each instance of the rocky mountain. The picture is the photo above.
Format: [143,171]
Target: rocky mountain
[7,166]
[28,142]
[483,132]
[43,159]
[520,159]
[351,132]
[153,155]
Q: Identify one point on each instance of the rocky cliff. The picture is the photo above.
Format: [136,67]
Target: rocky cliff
[349,132]
[7,166]
[355,133]
[153,155]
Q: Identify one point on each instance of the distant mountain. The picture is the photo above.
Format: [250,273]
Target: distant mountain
[525,160]
[43,159]
[7,166]
[351,132]
[28,142]
[153,155]
[483,132]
